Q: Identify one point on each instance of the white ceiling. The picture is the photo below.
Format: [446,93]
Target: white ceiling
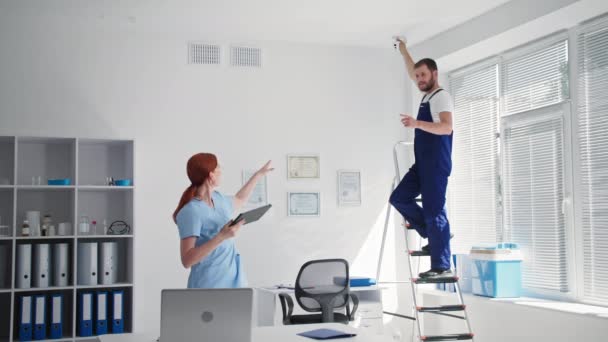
[342,22]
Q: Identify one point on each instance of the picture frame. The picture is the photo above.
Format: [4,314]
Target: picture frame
[349,187]
[259,195]
[303,166]
[304,204]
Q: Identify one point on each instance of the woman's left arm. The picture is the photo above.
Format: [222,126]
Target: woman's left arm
[243,195]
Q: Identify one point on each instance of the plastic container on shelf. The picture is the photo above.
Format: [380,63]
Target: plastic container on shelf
[496,270]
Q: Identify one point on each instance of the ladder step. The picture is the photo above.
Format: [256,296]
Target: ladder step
[419,253]
[435,280]
[451,337]
[444,308]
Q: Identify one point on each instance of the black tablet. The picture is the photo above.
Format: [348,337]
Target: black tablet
[252,215]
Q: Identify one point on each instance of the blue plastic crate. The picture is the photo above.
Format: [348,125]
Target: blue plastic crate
[496,270]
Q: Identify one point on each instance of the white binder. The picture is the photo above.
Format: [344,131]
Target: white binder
[42,261]
[24,266]
[60,264]
[87,263]
[108,263]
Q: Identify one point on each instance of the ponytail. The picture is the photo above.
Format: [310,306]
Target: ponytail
[187,196]
[198,168]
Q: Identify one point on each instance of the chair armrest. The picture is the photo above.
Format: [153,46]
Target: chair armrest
[349,313]
[286,307]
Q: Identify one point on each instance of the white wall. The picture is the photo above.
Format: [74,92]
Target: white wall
[60,78]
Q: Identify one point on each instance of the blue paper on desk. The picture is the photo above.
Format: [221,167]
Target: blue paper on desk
[326,334]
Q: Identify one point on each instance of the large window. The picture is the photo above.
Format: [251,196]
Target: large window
[514,166]
[593,158]
[474,183]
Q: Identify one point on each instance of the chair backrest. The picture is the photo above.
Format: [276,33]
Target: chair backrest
[321,283]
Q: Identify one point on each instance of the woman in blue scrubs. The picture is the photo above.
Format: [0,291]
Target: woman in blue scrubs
[203,218]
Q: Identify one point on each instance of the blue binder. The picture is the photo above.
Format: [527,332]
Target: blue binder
[25,322]
[39,317]
[101,317]
[118,313]
[85,314]
[56,318]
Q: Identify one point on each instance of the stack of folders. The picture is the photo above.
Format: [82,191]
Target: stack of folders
[97,263]
[100,313]
[40,317]
[34,265]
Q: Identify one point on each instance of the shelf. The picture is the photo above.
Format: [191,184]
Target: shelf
[7,161]
[95,237]
[104,188]
[58,203]
[6,258]
[122,260]
[45,158]
[6,210]
[112,286]
[87,163]
[63,339]
[5,316]
[42,238]
[66,313]
[99,159]
[45,187]
[45,289]
[106,205]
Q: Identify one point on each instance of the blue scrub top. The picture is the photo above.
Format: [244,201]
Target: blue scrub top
[222,267]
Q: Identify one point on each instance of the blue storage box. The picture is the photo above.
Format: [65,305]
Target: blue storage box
[122,182]
[60,181]
[496,270]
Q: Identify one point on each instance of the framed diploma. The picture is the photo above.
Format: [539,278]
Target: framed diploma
[303,166]
[304,204]
[259,195]
[349,187]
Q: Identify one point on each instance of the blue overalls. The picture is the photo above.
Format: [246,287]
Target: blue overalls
[429,177]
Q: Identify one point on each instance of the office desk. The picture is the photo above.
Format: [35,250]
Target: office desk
[368,316]
[272,334]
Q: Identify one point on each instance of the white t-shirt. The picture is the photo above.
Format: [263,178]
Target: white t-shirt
[441,102]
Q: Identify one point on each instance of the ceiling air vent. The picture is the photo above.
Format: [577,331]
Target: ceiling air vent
[246,56]
[203,54]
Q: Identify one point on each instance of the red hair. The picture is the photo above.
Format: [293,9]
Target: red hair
[199,167]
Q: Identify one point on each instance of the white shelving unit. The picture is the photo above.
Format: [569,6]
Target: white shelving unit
[87,163]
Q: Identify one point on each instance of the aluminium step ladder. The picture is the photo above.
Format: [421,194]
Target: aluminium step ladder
[444,310]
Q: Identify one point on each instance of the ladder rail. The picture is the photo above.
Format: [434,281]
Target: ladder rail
[414,285]
[396,181]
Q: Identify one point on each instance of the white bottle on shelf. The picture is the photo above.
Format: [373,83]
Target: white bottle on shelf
[83,225]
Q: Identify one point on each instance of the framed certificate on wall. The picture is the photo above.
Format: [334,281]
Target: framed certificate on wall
[259,195]
[304,204]
[303,166]
[349,187]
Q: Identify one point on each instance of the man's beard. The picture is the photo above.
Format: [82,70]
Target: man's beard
[429,85]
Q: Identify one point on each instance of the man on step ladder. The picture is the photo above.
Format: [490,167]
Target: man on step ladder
[429,174]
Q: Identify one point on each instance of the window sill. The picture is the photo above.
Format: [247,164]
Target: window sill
[549,305]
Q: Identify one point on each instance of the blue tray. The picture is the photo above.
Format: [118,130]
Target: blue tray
[60,181]
[122,182]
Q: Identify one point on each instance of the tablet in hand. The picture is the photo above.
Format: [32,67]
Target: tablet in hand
[252,215]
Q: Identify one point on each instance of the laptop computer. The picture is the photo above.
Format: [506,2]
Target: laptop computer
[206,315]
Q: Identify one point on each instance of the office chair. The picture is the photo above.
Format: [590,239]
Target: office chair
[321,286]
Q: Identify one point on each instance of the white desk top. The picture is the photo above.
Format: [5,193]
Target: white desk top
[272,334]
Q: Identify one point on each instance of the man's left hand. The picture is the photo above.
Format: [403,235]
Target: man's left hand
[409,121]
